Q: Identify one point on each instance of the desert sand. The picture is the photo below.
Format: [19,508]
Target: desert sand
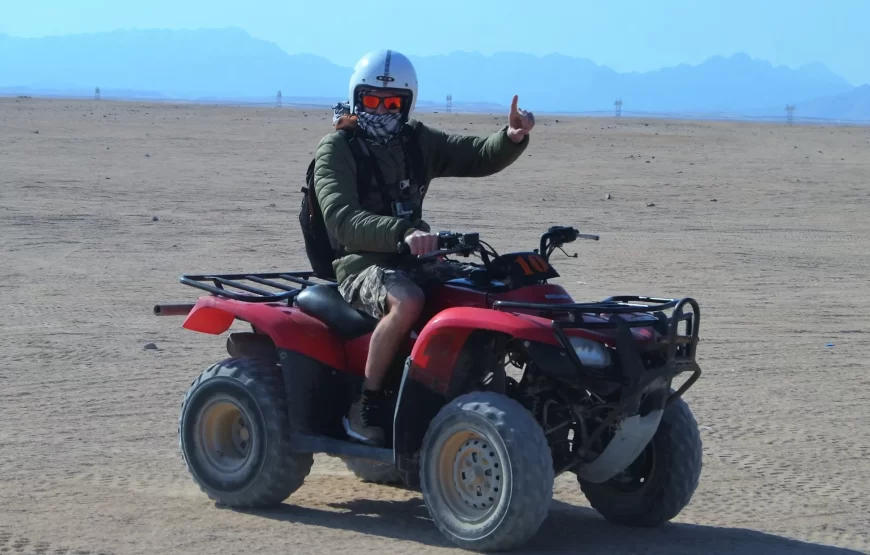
[767,226]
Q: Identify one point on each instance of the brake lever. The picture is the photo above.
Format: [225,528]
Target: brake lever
[566,254]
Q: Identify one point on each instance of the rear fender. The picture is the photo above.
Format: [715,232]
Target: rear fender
[288,327]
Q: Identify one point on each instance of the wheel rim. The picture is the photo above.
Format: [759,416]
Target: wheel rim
[471,475]
[638,475]
[225,437]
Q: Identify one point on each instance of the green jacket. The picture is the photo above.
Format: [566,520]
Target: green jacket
[364,233]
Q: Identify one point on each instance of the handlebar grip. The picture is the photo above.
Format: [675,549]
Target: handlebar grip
[403,248]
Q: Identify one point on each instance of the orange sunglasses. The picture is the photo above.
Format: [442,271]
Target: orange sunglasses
[372,102]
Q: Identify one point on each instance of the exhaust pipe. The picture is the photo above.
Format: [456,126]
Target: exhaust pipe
[173,309]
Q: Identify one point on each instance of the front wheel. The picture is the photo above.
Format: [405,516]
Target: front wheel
[661,481]
[234,435]
[486,473]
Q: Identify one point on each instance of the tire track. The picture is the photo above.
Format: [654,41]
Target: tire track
[832,487]
[11,542]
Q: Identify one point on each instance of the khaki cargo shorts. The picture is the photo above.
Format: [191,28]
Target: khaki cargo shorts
[367,290]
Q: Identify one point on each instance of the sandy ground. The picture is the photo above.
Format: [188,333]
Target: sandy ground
[779,262]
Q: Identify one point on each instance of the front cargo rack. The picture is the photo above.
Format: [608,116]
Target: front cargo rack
[626,304]
[681,347]
[285,286]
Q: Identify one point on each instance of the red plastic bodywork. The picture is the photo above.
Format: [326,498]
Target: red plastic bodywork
[440,343]
[452,313]
[356,351]
[288,327]
[455,312]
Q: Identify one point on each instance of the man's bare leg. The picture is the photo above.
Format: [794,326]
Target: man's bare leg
[388,335]
[404,304]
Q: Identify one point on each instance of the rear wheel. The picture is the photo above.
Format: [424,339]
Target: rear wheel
[234,435]
[486,472]
[661,481]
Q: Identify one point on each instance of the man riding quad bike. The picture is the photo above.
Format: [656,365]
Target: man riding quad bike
[366,212]
[589,389]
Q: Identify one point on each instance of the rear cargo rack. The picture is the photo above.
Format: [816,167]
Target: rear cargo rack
[251,287]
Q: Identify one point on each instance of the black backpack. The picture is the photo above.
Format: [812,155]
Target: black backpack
[318,244]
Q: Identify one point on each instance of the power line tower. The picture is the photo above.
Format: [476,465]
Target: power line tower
[449,103]
[618,107]
[278,100]
[789,110]
[97,93]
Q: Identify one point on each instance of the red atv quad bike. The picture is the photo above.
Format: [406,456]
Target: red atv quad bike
[592,396]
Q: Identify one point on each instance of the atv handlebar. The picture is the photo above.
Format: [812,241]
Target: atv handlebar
[449,242]
[558,236]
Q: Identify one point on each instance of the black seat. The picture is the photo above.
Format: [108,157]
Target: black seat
[327,305]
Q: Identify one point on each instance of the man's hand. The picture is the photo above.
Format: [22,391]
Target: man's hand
[520,122]
[422,242]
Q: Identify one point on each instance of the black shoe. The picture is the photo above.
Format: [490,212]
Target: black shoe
[366,418]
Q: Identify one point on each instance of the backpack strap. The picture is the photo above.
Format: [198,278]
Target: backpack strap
[364,167]
[414,155]
[367,166]
[362,152]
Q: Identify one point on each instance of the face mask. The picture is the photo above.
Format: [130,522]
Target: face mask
[381,128]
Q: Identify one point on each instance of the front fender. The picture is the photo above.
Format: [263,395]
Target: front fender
[454,349]
[441,340]
[288,328]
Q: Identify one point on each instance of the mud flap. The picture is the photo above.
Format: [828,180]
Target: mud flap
[416,406]
[254,345]
[629,441]
[317,395]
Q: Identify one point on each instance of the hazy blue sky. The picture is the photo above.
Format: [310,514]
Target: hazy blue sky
[625,35]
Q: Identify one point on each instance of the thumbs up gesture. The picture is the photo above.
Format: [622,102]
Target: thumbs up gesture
[520,122]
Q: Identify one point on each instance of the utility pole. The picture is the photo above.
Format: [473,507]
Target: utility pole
[449,103]
[618,107]
[97,93]
[278,100]
[790,113]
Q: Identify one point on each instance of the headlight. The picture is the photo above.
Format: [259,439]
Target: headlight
[591,353]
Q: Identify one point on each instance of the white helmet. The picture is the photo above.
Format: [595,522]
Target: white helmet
[386,69]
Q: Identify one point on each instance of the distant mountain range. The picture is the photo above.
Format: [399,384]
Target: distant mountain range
[229,64]
[851,105]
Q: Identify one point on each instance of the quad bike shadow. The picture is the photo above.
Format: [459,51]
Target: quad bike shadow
[568,530]
[595,396]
